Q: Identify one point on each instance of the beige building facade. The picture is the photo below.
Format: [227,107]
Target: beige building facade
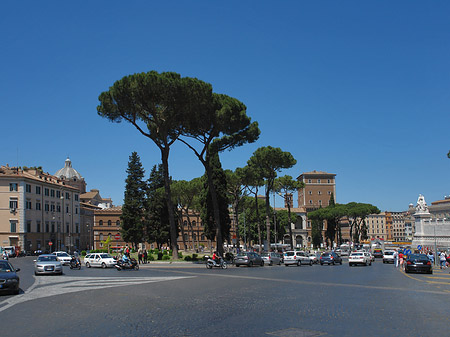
[38,211]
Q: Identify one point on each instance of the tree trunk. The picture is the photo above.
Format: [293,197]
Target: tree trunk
[172,224]
[257,219]
[212,190]
[268,216]
[236,223]
[290,226]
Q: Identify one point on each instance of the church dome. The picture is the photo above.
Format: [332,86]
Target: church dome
[68,172]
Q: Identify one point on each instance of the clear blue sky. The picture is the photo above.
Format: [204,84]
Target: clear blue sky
[356,88]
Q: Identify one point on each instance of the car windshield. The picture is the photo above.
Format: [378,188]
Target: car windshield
[265,254]
[325,254]
[289,253]
[418,257]
[5,266]
[63,254]
[105,256]
[47,258]
[388,253]
[357,254]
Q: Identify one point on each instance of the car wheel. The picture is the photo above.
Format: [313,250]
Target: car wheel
[88,265]
[103,265]
[250,264]
[271,263]
[350,264]
[16,292]
[262,263]
[333,263]
[237,266]
[136,267]
[370,263]
[321,263]
[310,263]
[299,264]
[340,262]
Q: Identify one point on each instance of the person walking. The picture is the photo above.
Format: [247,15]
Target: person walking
[140,255]
[396,259]
[400,257]
[431,256]
[145,256]
[442,260]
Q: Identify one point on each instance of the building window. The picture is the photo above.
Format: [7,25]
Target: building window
[109,222]
[52,208]
[38,189]
[76,197]
[67,228]
[53,227]
[13,226]
[320,202]
[76,210]
[13,187]
[318,181]
[310,202]
[67,196]
[47,227]
[46,192]
[28,188]
[67,209]
[38,205]
[58,194]
[101,237]
[77,228]
[46,207]
[100,223]
[58,208]
[319,192]
[38,226]
[118,223]
[310,192]
[13,204]
[193,223]
[28,204]
[309,181]
[329,181]
[329,192]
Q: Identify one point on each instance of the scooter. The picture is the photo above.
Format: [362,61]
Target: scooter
[75,263]
[131,265]
[210,263]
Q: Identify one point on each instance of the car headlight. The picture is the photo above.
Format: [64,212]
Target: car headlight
[12,280]
[39,266]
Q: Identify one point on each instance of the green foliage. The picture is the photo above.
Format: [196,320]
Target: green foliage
[207,210]
[180,255]
[249,219]
[283,222]
[133,206]
[166,257]
[187,258]
[229,256]
[151,258]
[316,232]
[156,223]
[83,253]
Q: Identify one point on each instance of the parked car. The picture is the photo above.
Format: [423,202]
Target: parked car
[47,264]
[378,253]
[388,256]
[248,259]
[313,257]
[103,260]
[9,281]
[63,257]
[418,263]
[372,258]
[359,258]
[271,258]
[296,257]
[330,258]
[10,250]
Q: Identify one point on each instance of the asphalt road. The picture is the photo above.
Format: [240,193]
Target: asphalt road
[189,300]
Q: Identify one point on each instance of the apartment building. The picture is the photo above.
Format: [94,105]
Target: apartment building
[317,191]
[38,211]
[376,226]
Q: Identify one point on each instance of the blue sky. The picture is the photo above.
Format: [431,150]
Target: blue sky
[356,88]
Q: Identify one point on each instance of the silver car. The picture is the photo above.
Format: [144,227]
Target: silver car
[47,264]
[271,258]
[103,260]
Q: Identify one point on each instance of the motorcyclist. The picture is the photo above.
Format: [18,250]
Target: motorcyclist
[125,260]
[216,258]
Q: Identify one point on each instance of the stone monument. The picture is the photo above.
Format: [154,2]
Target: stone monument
[430,233]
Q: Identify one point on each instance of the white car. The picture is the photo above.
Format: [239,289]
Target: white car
[99,260]
[313,257]
[63,257]
[388,256]
[298,258]
[359,258]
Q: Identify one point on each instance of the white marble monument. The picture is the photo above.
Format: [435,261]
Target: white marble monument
[430,232]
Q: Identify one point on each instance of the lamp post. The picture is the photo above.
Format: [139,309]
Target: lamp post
[435,242]
[245,234]
[275,223]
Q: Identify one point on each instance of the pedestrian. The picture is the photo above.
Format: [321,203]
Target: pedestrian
[400,257]
[140,255]
[396,259]
[442,260]
[145,256]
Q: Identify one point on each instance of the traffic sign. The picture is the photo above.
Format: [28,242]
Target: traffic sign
[117,236]
[50,243]
[419,247]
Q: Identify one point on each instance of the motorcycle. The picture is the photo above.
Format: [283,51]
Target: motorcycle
[210,263]
[75,264]
[131,265]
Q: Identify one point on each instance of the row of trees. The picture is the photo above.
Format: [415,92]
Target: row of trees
[353,212]
[166,108]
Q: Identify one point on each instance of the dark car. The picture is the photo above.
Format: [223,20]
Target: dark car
[9,281]
[418,263]
[378,253]
[248,259]
[330,258]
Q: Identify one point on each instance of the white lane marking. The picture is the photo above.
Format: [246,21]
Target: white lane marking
[57,285]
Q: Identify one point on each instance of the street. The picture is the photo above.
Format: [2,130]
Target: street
[189,300]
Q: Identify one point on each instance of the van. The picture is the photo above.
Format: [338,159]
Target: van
[10,250]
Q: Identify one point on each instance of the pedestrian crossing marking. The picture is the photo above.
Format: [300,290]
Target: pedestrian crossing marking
[59,285]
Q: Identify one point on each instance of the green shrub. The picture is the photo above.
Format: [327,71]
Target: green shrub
[151,258]
[187,258]
[160,256]
[180,255]
[229,256]
[83,253]
[194,257]
[166,257]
